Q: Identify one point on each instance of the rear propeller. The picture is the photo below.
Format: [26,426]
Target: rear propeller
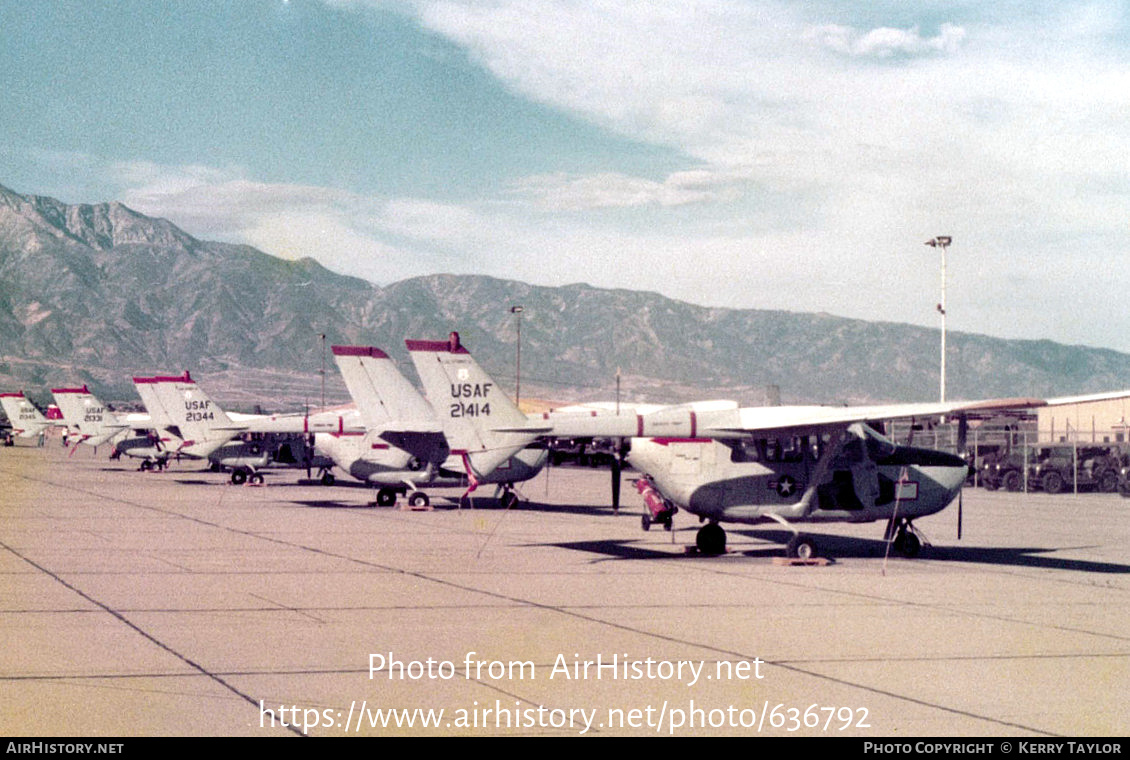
[962,451]
[618,459]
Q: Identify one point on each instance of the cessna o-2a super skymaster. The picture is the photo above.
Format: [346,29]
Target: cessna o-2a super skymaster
[788,464]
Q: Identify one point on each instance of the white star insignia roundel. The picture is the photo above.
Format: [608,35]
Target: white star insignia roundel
[786,485]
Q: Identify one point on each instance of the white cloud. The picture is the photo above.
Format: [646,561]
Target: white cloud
[562,192]
[885,42]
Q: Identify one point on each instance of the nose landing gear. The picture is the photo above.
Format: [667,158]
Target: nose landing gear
[905,537]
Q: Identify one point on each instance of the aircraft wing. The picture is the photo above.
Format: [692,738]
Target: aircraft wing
[814,419]
[343,421]
[687,421]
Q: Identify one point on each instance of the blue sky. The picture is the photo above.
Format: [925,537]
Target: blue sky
[783,155]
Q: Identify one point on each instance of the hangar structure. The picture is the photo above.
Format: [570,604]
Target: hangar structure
[1094,418]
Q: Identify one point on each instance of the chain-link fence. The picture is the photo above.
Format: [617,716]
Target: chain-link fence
[1015,459]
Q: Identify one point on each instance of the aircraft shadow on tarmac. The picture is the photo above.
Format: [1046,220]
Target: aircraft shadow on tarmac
[334,504]
[831,546]
[482,504]
[846,547]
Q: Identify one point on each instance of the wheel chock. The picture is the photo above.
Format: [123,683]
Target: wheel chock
[792,561]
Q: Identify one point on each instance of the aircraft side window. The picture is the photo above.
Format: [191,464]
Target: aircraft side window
[773,451]
[794,450]
[746,450]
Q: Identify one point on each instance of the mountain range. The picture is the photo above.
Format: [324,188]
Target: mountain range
[99,293]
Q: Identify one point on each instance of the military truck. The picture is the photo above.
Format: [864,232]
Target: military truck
[1063,466]
[1005,470]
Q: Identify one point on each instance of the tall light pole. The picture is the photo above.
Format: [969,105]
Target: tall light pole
[323,371]
[943,242]
[517,311]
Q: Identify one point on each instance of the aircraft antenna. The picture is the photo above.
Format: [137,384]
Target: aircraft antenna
[494,530]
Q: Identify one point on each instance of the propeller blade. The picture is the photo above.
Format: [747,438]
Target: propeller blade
[616,484]
[959,495]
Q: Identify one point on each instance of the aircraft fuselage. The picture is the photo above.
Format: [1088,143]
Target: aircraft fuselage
[858,479]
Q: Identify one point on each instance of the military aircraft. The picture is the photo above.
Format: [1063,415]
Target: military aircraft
[90,421]
[158,441]
[26,420]
[467,402]
[406,446]
[398,443]
[191,424]
[786,464]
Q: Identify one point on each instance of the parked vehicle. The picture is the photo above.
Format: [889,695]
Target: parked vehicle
[1061,466]
[978,457]
[1004,471]
[1102,470]
[1124,475]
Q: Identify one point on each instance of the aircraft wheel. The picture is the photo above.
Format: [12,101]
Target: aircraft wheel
[145,465]
[668,524]
[711,539]
[907,544]
[386,497]
[418,499]
[801,547]
[1053,482]
[238,477]
[645,521]
[508,500]
[1012,481]
[327,478]
[256,479]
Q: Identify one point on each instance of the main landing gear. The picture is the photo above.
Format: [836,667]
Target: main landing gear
[507,499]
[711,539]
[241,475]
[386,497]
[906,541]
[801,546]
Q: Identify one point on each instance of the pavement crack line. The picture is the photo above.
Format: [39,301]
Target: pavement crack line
[141,631]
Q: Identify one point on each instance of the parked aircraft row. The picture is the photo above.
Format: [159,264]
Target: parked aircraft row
[788,464]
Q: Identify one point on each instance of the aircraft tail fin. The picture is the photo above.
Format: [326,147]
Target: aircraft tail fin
[203,425]
[26,419]
[83,411]
[469,404]
[146,389]
[384,397]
